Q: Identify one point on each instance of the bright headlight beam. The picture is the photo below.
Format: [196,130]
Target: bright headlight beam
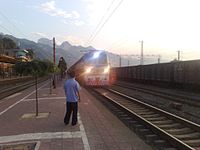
[88,70]
[96,55]
[106,70]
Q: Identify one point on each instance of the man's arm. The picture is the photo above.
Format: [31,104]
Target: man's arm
[79,98]
[65,89]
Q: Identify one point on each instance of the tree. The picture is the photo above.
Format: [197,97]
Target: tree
[62,65]
[35,67]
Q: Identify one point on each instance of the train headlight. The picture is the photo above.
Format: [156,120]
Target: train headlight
[88,69]
[107,69]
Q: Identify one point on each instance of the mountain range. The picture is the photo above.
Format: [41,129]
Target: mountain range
[43,50]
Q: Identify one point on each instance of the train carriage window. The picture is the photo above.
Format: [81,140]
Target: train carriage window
[100,59]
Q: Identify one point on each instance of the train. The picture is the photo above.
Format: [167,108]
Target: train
[93,69]
[182,74]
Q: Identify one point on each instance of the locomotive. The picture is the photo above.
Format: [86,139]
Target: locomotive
[92,69]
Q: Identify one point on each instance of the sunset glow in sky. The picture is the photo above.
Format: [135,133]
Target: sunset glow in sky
[118,26]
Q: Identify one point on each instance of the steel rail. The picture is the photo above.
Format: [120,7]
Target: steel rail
[141,112]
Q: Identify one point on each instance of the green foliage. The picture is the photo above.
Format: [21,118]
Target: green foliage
[30,53]
[62,65]
[35,67]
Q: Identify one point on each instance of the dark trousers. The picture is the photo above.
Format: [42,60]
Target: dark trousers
[71,107]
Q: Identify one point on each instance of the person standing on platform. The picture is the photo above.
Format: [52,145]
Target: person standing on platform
[71,88]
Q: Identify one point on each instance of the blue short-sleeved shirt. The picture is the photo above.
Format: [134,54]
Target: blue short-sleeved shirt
[71,88]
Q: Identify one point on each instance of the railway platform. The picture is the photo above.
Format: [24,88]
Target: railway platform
[97,128]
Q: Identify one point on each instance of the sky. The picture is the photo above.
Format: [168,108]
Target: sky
[118,26]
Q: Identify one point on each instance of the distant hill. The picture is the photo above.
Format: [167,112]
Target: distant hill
[65,45]
[43,50]
[45,41]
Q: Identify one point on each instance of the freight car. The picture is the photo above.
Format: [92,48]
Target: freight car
[177,74]
[92,69]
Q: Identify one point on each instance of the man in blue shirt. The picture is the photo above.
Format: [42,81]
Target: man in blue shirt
[71,87]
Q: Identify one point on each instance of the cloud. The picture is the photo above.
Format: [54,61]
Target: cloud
[75,14]
[67,18]
[39,34]
[51,9]
[78,23]
[73,22]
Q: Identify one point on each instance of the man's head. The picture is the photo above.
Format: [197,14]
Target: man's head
[72,74]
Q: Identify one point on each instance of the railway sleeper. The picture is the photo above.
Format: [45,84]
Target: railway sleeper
[175,105]
[122,115]
[156,118]
[190,136]
[136,127]
[131,123]
[119,112]
[151,115]
[112,107]
[170,126]
[160,144]
[156,141]
[145,113]
[179,131]
[143,131]
[115,110]
[149,138]
[141,110]
[126,120]
[162,122]
[193,143]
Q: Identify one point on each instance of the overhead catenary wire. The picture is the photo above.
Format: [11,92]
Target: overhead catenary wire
[101,20]
[15,27]
[5,29]
[107,19]
[118,43]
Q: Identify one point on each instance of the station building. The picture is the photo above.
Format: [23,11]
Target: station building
[8,59]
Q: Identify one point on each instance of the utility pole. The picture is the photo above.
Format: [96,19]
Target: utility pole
[178,55]
[120,61]
[141,57]
[158,59]
[54,62]
[54,51]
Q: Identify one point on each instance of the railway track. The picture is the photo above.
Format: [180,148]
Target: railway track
[14,88]
[179,98]
[161,129]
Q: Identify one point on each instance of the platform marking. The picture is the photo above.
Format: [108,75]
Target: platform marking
[14,95]
[50,135]
[40,136]
[83,134]
[44,98]
[11,96]
[11,106]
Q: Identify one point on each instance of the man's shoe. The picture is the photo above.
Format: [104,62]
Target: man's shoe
[66,123]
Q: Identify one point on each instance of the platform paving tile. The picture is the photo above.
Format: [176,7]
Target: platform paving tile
[104,130]
[98,128]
